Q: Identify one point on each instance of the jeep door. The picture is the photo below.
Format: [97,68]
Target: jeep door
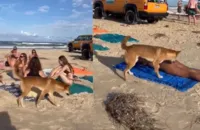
[115,6]
[77,42]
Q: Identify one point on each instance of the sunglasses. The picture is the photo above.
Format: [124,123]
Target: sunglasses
[21,56]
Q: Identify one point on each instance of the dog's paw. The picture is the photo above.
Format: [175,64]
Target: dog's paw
[129,72]
[160,77]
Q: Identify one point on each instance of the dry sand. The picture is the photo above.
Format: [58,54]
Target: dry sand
[75,111]
[174,110]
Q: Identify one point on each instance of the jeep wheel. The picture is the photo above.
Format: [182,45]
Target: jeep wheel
[98,12]
[130,17]
[85,54]
[70,48]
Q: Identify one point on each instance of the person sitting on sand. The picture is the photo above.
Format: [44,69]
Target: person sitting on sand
[12,57]
[179,9]
[64,71]
[175,68]
[34,68]
[192,10]
[33,54]
[21,64]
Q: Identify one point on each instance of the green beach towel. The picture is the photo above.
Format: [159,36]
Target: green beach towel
[77,88]
[88,78]
[99,47]
[113,38]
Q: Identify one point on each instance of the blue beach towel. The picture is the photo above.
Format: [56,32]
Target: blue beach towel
[146,72]
[98,47]
[15,91]
[113,38]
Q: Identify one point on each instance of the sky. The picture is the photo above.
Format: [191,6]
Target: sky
[44,20]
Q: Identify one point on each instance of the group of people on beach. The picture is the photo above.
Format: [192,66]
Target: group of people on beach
[191,9]
[31,66]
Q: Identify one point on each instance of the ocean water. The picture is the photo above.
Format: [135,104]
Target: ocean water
[31,45]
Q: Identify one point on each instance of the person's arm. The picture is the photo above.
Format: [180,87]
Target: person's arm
[26,73]
[24,68]
[54,71]
[42,74]
[61,71]
[197,8]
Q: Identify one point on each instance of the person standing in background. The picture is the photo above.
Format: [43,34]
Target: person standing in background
[179,8]
[192,10]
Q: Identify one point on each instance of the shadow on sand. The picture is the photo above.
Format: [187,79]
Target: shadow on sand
[6,122]
[110,62]
[120,19]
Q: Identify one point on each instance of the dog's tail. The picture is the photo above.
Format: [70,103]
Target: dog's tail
[124,41]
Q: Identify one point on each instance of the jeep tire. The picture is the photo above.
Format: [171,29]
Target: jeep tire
[85,54]
[70,48]
[98,13]
[130,17]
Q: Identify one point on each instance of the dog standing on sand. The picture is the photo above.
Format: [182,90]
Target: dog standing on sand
[154,54]
[46,85]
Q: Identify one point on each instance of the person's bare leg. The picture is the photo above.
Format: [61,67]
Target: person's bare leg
[194,18]
[179,64]
[189,17]
[65,79]
[194,74]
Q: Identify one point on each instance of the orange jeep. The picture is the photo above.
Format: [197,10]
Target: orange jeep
[132,10]
[83,43]
[78,42]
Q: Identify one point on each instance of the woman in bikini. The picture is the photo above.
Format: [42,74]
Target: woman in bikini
[63,71]
[21,64]
[176,68]
[12,57]
[33,54]
[34,68]
[192,10]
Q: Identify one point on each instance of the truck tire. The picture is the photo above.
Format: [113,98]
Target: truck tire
[130,17]
[98,13]
[85,54]
[70,48]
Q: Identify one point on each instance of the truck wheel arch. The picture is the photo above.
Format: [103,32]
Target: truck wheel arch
[97,4]
[130,7]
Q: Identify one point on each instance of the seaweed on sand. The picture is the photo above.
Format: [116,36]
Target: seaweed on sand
[125,110]
[159,35]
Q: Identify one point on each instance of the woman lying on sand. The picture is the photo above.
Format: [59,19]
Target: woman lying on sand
[34,68]
[21,64]
[33,54]
[176,68]
[64,71]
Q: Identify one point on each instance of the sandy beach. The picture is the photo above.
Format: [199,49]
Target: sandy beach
[75,111]
[174,110]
